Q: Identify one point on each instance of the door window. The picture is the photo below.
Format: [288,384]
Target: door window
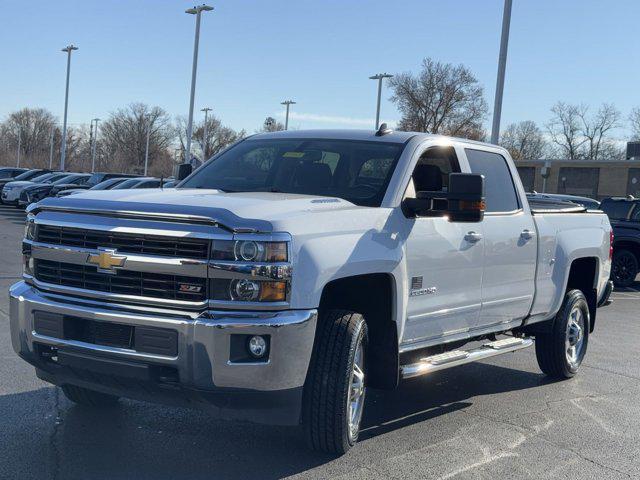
[500,192]
[431,173]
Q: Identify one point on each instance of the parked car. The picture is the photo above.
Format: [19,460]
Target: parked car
[139,182]
[28,175]
[300,268]
[589,203]
[11,172]
[624,215]
[104,185]
[35,193]
[12,190]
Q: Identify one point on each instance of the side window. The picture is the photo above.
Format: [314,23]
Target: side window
[500,192]
[618,209]
[431,173]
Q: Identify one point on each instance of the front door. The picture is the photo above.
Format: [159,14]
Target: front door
[444,260]
[510,243]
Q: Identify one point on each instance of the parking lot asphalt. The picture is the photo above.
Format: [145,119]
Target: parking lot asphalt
[496,419]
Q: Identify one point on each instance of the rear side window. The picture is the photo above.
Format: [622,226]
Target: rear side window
[500,192]
[616,209]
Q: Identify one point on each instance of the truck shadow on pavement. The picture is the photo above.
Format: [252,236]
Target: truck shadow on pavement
[13,214]
[45,436]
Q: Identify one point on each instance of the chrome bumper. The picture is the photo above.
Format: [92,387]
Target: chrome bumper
[203,360]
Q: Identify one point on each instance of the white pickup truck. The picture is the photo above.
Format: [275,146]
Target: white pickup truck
[296,269]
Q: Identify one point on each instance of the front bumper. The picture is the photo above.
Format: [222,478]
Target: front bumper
[11,196]
[203,374]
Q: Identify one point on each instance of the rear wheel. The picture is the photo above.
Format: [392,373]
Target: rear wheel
[624,268]
[88,398]
[335,390]
[561,351]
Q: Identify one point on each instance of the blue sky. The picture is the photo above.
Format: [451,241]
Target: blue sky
[256,53]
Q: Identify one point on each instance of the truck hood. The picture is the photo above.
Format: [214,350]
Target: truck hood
[20,183]
[257,211]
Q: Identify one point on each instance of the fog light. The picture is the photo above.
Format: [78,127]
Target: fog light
[244,290]
[257,346]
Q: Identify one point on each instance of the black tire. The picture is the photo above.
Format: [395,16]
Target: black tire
[325,406]
[88,398]
[551,348]
[624,268]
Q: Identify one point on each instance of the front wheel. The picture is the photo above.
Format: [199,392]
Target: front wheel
[561,351]
[335,389]
[624,268]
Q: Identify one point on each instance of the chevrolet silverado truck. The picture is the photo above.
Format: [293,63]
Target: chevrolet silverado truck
[295,270]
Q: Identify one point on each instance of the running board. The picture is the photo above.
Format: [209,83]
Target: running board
[460,357]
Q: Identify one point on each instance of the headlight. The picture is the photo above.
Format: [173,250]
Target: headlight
[249,251]
[244,273]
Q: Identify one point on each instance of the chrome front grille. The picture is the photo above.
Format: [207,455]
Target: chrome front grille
[177,247]
[125,282]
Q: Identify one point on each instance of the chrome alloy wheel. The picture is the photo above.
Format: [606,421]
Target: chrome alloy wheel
[574,339]
[355,402]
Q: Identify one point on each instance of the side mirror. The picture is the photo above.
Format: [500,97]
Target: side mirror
[464,201]
[184,170]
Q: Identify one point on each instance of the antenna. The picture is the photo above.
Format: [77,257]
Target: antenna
[383,130]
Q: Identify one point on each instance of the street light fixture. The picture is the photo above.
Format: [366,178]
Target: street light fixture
[197,11]
[205,142]
[93,147]
[63,149]
[146,150]
[19,146]
[380,77]
[502,65]
[288,103]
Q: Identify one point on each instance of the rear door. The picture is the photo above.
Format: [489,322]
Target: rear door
[510,242]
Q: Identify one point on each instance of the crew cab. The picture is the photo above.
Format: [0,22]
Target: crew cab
[295,270]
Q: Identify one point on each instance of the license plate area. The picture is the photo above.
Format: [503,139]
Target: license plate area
[154,340]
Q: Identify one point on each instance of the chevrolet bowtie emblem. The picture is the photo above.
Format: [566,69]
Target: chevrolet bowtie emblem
[106,260]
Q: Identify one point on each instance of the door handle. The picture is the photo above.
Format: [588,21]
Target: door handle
[473,237]
[526,234]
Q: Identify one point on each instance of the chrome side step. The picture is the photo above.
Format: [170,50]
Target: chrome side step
[460,357]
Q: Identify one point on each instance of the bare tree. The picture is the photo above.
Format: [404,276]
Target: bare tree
[31,129]
[634,121]
[442,98]
[564,129]
[124,134]
[523,140]
[218,136]
[596,128]
[271,125]
[579,135]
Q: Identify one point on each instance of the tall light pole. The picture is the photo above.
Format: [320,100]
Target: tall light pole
[19,147]
[206,111]
[379,77]
[502,65]
[197,11]
[93,147]
[288,103]
[51,148]
[63,149]
[146,150]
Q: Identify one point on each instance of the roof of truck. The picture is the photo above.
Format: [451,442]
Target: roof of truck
[394,136]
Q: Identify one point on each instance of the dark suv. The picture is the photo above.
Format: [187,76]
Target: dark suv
[624,215]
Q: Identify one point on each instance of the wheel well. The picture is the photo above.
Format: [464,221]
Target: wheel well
[582,276]
[632,246]
[372,296]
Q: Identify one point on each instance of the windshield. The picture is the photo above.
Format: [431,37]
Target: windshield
[357,171]
[107,184]
[29,175]
[131,183]
[67,179]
